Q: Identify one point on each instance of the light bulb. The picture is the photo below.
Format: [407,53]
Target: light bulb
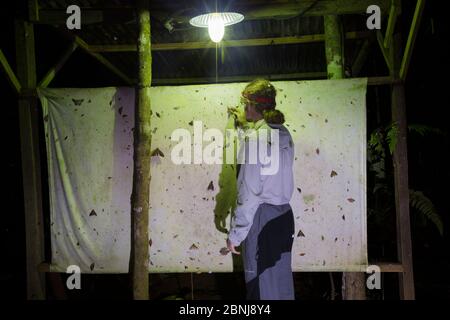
[216,28]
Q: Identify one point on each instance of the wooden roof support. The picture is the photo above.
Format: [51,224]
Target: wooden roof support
[205,80]
[411,38]
[353,284]
[379,81]
[33,10]
[304,8]
[309,8]
[31,170]
[59,64]
[393,14]
[386,51]
[140,196]
[227,43]
[85,47]
[256,11]
[361,58]
[10,75]
[401,179]
[389,266]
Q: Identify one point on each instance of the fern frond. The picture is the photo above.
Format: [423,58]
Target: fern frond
[376,142]
[425,206]
[423,130]
[391,136]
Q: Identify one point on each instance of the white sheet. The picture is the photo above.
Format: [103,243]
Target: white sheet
[90,148]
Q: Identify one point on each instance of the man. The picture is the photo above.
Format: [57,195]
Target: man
[263,221]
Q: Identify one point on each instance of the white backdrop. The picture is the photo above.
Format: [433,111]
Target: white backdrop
[90,147]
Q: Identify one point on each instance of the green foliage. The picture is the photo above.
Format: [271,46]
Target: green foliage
[425,207]
[376,142]
[423,130]
[382,136]
[376,154]
[385,138]
[391,136]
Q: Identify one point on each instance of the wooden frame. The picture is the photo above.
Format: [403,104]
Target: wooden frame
[31,170]
[25,84]
[58,65]
[10,75]
[227,43]
[411,38]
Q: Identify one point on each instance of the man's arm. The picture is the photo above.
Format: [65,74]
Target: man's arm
[248,203]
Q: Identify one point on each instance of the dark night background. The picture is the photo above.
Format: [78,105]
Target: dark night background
[426,102]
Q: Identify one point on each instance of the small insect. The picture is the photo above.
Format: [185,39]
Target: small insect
[77,102]
[300,234]
[157,152]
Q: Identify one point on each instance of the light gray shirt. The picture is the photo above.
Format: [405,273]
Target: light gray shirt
[255,188]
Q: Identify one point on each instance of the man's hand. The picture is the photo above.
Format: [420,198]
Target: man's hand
[239,115]
[230,247]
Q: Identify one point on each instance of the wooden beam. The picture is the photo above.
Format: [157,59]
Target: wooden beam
[140,196]
[58,65]
[33,10]
[393,14]
[383,80]
[411,38]
[312,8]
[400,159]
[389,266]
[251,11]
[44,267]
[401,179]
[227,43]
[10,75]
[31,169]
[89,16]
[284,10]
[361,58]
[246,78]
[85,47]
[385,51]
[59,17]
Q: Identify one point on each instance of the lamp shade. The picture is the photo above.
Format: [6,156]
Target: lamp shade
[228,18]
[216,23]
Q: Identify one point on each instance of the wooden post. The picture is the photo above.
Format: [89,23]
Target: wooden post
[333,47]
[353,283]
[400,160]
[142,146]
[31,170]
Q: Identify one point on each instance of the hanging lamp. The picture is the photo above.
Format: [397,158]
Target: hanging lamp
[216,23]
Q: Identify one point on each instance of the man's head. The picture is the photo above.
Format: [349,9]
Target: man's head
[258,97]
